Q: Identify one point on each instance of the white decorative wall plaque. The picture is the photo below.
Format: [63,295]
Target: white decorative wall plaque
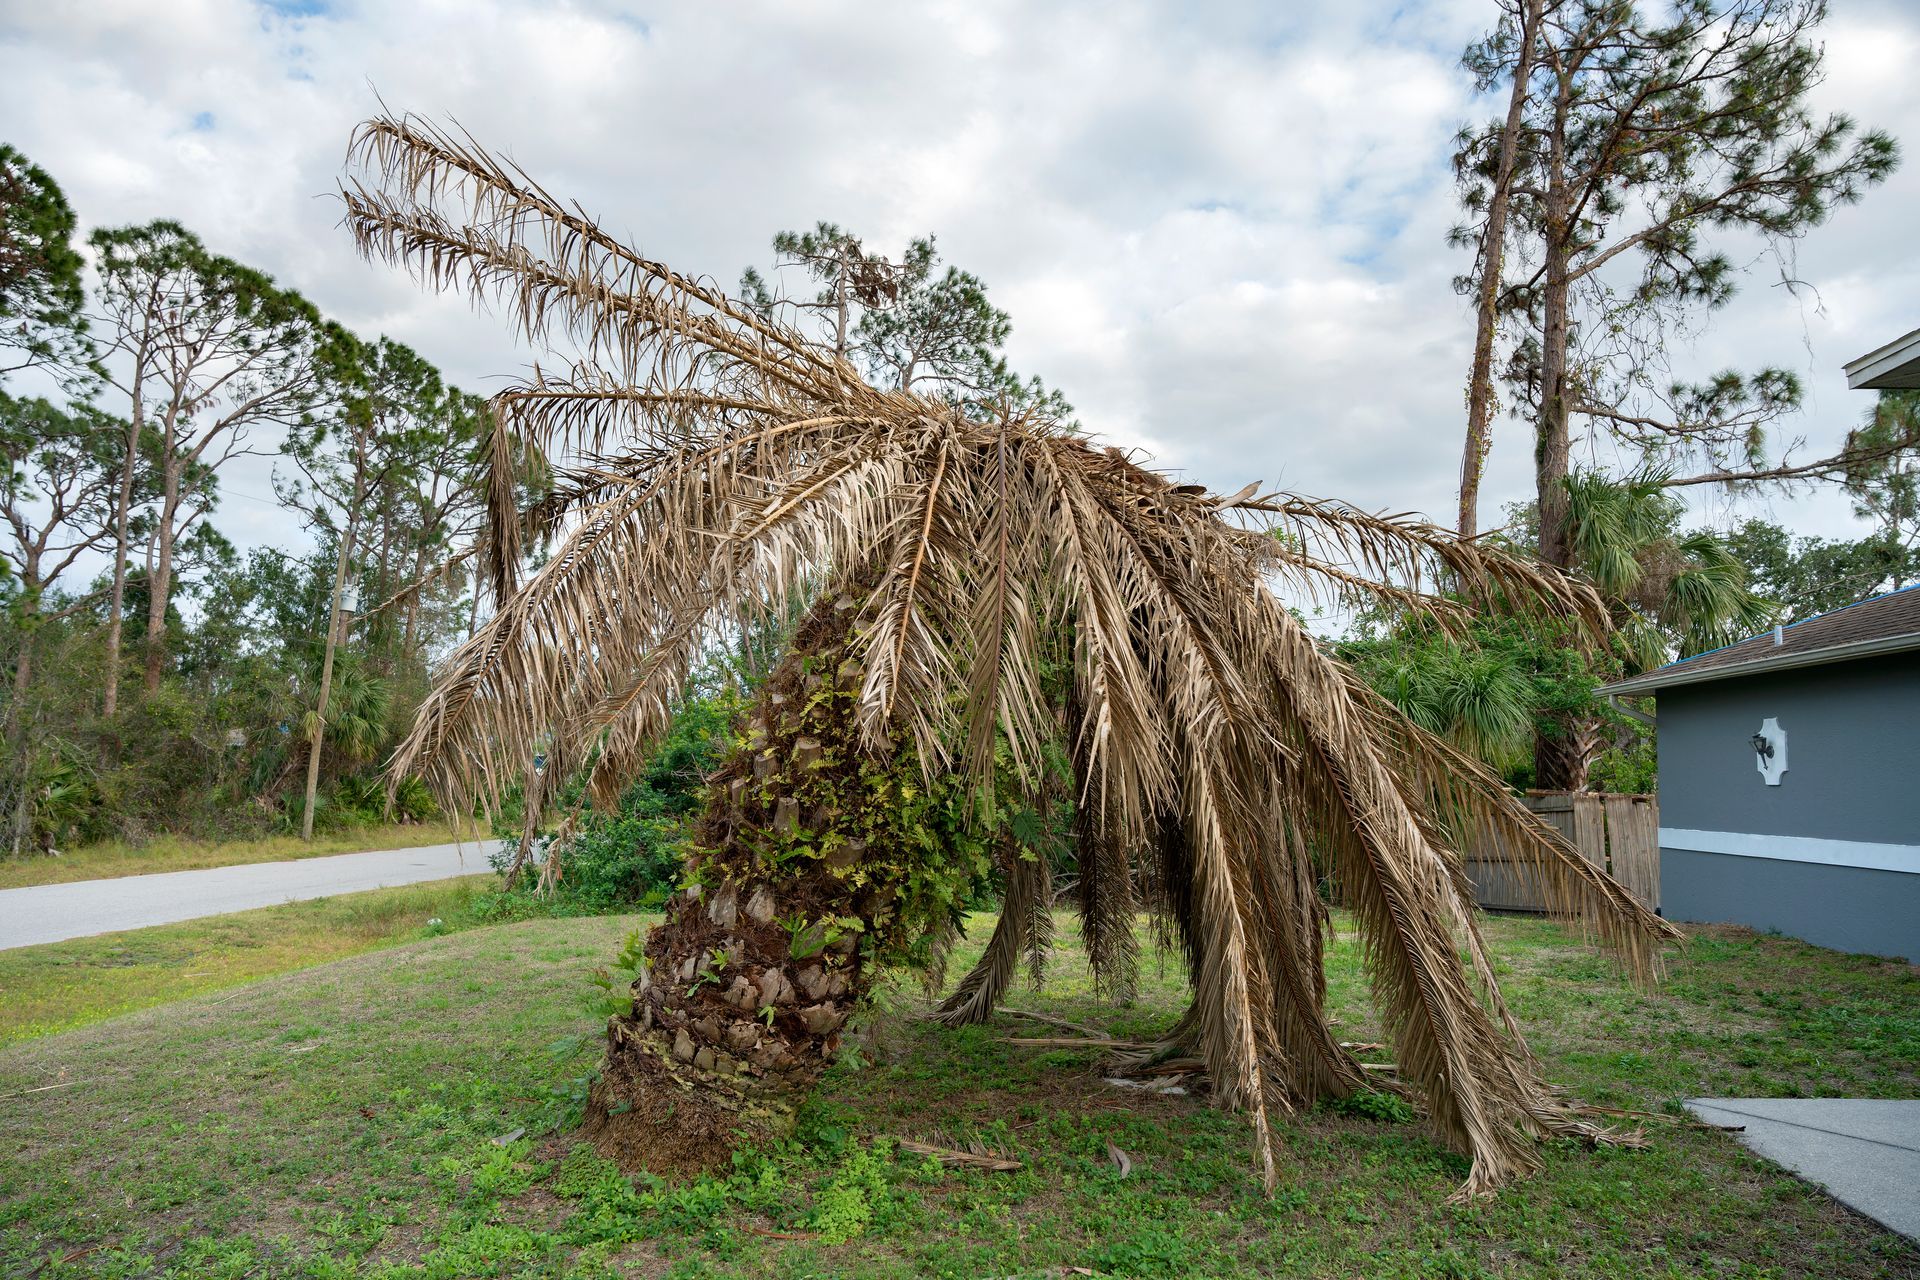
[1770,751]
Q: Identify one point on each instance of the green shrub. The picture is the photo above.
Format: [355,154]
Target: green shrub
[632,856]
[623,861]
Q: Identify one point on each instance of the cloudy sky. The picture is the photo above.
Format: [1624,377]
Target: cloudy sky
[1219,228]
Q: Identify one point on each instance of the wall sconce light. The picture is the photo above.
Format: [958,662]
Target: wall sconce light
[1770,751]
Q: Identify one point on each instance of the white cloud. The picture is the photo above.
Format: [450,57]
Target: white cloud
[1220,229]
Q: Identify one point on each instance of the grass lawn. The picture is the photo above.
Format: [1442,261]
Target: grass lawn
[69,984]
[390,1117]
[176,853]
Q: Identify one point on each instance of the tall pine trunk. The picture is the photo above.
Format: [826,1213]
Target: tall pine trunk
[1553,443]
[19,739]
[412,615]
[317,740]
[1473,456]
[160,581]
[748,983]
[122,515]
[1560,756]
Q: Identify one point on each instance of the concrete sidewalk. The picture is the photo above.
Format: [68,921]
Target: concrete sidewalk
[56,912]
[1865,1153]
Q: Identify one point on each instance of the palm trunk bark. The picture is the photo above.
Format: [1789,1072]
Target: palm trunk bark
[748,983]
[1561,760]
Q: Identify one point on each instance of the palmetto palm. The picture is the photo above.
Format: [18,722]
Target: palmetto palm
[1661,583]
[358,719]
[717,461]
[1476,698]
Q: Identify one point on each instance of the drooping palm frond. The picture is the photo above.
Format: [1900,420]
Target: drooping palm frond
[714,463]
[1024,929]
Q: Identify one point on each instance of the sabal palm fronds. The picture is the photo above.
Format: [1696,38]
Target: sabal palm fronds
[1689,586]
[1475,696]
[358,714]
[712,460]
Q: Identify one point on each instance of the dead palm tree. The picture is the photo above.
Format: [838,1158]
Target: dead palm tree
[720,462]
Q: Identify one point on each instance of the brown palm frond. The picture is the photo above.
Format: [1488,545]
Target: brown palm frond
[504,546]
[1466,805]
[559,268]
[1109,905]
[1025,927]
[713,467]
[1403,560]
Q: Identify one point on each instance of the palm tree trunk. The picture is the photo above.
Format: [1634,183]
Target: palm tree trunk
[749,982]
[1561,761]
[730,1028]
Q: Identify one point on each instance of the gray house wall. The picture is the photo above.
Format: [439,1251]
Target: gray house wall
[1853,776]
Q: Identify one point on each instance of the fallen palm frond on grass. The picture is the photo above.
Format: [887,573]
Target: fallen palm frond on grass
[717,467]
[979,1158]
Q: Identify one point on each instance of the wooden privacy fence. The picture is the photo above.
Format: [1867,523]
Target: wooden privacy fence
[1618,833]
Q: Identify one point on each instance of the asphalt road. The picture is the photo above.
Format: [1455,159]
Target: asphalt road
[55,912]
